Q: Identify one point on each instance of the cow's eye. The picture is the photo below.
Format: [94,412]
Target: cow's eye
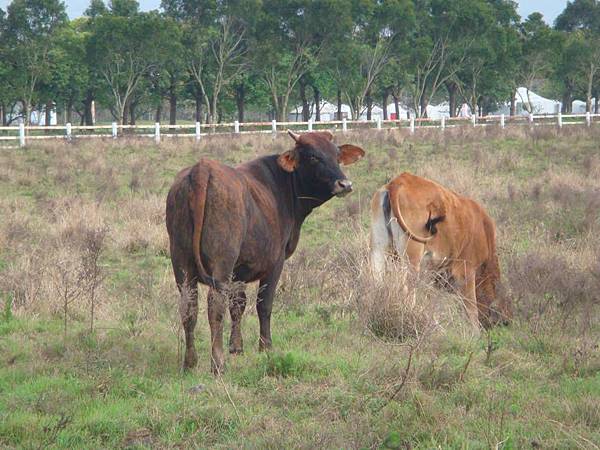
[314,160]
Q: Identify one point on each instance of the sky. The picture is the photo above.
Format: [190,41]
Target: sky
[549,8]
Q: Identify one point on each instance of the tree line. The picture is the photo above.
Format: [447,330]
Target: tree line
[231,56]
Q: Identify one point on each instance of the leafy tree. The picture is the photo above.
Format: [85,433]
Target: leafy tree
[29,27]
[124,51]
[581,18]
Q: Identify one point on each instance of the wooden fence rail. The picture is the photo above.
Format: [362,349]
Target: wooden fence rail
[22,134]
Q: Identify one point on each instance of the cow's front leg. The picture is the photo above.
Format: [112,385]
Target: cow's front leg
[216,310]
[236,310]
[264,305]
[465,276]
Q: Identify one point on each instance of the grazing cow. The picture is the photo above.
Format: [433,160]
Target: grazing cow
[437,228]
[240,224]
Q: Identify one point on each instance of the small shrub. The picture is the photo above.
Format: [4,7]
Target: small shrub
[7,313]
[285,365]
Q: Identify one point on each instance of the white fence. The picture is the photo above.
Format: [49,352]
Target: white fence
[22,134]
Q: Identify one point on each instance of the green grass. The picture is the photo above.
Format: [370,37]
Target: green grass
[329,382]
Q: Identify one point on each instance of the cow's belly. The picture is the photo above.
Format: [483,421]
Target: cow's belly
[260,252]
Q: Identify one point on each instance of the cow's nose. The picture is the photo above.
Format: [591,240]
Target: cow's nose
[343,187]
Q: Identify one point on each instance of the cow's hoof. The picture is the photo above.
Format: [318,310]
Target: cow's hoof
[236,349]
[236,345]
[217,369]
[190,360]
[264,346]
[217,364]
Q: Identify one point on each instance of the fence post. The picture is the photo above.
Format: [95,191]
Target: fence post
[310,123]
[197,131]
[274,127]
[68,131]
[344,125]
[502,121]
[474,119]
[588,119]
[412,125]
[379,122]
[114,130]
[560,124]
[531,119]
[22,134]
[443,124]
[157,132]
[236,127]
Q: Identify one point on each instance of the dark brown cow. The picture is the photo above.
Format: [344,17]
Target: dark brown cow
[241,224]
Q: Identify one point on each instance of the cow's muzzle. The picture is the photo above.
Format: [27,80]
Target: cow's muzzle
[342,187]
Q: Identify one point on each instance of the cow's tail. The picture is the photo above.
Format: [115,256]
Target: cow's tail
[394,191]
[199,179]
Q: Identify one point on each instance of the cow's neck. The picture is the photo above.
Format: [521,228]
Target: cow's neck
[301,202]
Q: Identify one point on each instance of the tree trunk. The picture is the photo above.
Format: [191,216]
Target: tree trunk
[452,88]
[513,104]
[305,106]
[423,106]
[132,107]
[125,114]
[69,111]
[172,107]
[87,104]
[3,114]
[158,112]
[369,106]
[339,105]
[317,96]
[48,113]
[596,104]
[384,100]
[240,94]
[198,99]
[397,107]
[567,101]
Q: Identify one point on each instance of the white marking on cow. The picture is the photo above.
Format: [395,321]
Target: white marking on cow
[380,238]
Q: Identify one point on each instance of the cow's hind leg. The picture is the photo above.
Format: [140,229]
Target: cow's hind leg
[237,306]
[216,310]
[187,283]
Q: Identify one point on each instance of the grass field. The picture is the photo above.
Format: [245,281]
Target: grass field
[82,225]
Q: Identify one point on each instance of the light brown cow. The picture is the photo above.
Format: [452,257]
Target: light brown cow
[432,226]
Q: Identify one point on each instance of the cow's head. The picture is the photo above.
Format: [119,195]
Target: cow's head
[316,160]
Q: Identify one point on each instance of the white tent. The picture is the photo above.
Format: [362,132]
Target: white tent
[376,113]
[327,110]
[39,117]
[438,111]
[404,112]
[539,104]
[579,106]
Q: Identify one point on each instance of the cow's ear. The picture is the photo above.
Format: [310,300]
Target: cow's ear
[288,161]
[349,154]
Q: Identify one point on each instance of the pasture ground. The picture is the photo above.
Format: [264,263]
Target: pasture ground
[342,375]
